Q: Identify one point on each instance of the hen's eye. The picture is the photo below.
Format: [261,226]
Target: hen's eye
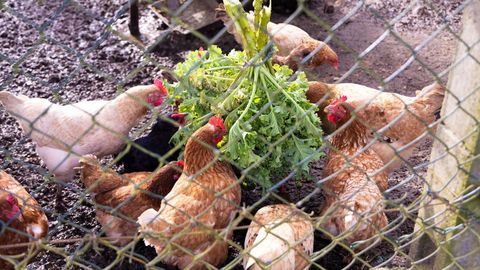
[305,54]
[387,139]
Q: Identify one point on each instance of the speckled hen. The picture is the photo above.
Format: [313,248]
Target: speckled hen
[379,109]
[354,207]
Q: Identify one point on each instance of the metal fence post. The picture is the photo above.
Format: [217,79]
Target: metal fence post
[449,218]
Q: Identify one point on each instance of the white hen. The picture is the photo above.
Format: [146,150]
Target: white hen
[280,237]
[63,133]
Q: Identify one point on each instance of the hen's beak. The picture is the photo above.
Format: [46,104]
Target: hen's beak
[335,64]
[179,117]
[328,109]
[185,114]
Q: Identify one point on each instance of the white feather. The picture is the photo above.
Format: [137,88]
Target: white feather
[276,246]
[58,161]
[350,220]
[147,217]
[36,230]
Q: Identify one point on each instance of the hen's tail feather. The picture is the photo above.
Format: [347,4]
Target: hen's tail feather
[9,100]
[95,179]
[432,95]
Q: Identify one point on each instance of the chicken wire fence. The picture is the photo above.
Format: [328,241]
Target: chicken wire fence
[343,214]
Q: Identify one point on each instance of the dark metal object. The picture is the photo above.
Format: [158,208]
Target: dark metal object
[134,19]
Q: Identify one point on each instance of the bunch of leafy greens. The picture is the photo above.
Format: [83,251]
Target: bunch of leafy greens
[272,128]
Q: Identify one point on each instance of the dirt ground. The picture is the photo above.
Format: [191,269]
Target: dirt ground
[59,51]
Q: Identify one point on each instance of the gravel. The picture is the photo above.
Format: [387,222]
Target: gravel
[60,51]
[419,15]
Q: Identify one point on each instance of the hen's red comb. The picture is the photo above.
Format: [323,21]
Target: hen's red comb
[339,100]
[217,121]
[159,84]
[180,163]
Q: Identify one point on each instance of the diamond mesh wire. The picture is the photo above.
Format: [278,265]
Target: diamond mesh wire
[374,196]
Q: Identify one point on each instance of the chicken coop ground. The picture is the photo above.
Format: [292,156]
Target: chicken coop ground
[97,63]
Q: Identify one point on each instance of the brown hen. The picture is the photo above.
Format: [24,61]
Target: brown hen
[120,199]
[199,208]
[354,207]
[378,109]
[21,212]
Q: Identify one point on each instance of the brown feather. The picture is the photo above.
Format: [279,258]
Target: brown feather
[144,190]
[325,55]
[128,194]
[32,221]
[96,178]
[208,193]
[356,189]
[377,109]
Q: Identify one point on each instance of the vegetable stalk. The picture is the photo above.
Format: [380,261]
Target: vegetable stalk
[272,128]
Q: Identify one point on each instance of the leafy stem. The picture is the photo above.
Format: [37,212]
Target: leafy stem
[279,87]
[247,107]
[239,16]
[252,94]
[270,100]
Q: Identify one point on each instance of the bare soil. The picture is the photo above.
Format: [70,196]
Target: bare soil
[62,52]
